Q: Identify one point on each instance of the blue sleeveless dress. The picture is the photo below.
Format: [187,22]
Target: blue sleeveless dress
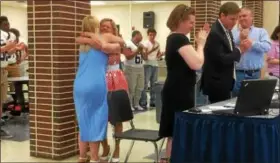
[90,95]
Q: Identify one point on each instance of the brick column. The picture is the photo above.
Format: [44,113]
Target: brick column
[257,7]
[206,11]
[52,28]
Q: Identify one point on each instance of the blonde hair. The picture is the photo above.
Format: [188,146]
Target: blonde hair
[89,24]
[180,13]
[113,24]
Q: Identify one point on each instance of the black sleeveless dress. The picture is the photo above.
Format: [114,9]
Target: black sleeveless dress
[178,89]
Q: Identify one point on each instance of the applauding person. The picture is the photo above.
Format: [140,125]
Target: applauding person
[150,67]
[134,70]
[257,41]
[182,60]
[274,53]
[220,55]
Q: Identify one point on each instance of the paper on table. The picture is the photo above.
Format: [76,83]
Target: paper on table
[206,110]
[230,105]
[218,108]
[275,96]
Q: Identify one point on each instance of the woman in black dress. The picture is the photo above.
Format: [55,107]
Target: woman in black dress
[181,60]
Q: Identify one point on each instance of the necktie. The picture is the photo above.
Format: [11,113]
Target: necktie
[230,39]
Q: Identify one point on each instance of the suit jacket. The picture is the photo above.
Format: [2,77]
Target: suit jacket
[218,68]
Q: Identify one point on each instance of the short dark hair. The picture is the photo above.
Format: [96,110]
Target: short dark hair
[15,32]
[274,35]
[151,30]
[229,8]
[3,19]
[134,33]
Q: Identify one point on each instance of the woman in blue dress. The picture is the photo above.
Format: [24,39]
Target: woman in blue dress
[90,90]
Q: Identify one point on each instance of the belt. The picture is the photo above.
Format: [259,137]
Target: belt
[248,71]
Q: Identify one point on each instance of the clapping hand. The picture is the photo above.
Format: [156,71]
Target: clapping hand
[140,47]
[244,33]
[245,45]
[9,47]
[127,52]
[206,27]
[201,37]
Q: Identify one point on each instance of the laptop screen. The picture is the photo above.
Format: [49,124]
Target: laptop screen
[255,96]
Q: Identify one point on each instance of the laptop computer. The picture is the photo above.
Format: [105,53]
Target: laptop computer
[254,98]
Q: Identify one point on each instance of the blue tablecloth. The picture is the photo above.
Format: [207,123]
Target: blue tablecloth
[200,138]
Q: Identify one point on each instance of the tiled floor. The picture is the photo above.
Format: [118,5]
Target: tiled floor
[19,151]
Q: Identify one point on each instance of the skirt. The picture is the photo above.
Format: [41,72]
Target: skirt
[118,99]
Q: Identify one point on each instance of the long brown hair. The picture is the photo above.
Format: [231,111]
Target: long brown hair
[89,24]
[274,35]
[113,24]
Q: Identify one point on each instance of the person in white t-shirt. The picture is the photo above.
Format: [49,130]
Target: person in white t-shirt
[134,70]
[21,47]
[17,58]
[150,67]
[6,47]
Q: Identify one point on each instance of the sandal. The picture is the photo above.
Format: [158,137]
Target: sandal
[115,160]
[84,160]
[95,161]
[165,160]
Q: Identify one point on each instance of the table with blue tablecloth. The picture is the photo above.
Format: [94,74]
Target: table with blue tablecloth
[209,138]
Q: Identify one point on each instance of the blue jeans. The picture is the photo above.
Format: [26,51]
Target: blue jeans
[151,75]
[240,76]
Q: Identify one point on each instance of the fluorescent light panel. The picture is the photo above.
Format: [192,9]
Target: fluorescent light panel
[147,1]
[97,3]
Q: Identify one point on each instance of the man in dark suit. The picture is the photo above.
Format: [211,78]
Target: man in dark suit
[220,55]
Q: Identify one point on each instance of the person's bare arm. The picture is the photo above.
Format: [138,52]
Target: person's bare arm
[128,57]
[160,54]
[194,58]
[273,61]
[111,48]
[93,42]
[110,38]
[9,47]
[272,58]
[100,45]
[107,37]
[12,51]
[152,50]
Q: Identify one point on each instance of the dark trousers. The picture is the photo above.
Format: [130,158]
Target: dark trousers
[218,96]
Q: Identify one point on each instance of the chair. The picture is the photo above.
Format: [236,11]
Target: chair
[132,134]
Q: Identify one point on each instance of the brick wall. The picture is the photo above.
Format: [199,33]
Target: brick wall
[206,11]
[257,7]
[52,28]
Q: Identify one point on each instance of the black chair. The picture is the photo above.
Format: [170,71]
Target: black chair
[133,134]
